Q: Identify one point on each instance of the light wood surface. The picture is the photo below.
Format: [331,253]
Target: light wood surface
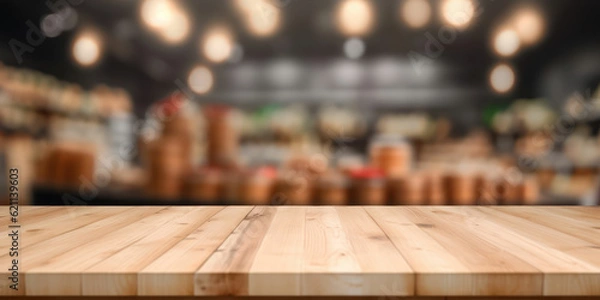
[399,251]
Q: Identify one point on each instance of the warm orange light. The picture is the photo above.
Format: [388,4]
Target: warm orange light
[355,17]
[157,13]
[529,24]
[87,49]
[178,29]
[458,13]
[167,19]
[416,13]
[261,17]
[506,42]
[217,45]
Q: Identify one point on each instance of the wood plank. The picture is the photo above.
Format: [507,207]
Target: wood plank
[61,275]
[561,220]
[577,248]
[278,264]
[504,275]
[52,226]
[172,273]
[426,256]
[29,219]
[26,213]
[263,298]
[337,257]
[41,252]
[226,270]
[117,275]
[522,298]
[581,277]
[383,270]
[445,252]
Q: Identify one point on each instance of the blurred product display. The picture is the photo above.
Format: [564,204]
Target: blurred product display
[201,154]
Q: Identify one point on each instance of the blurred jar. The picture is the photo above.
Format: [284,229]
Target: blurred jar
[530,190]
[392,155]
[332,189]
[462,187]
[204,186]
[166,168]
[435,192]
[293,188]
[408,190]
[511,192]
[311,163]
[491,190]
[368,187]
[179,127]
[222,136]
[68,164]
[251,187]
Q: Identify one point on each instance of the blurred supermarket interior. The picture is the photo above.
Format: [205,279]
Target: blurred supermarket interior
[300,102]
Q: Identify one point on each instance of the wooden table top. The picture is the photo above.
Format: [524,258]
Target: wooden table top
[319,250]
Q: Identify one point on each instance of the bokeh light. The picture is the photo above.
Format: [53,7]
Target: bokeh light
[355,17]
[217,45]
[506,42]
[87,49]
[529,24]
[157,13]
[200,80]
[458,13]
[415,13]
[354,48]
[502,78]
[167,19]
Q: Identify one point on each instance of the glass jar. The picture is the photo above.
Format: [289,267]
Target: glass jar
[166,168]
[222,136]
[204,186]
[368,187]
[332,189]
[253,187]
[408,190]
[293,188]
[435,193]
[462,188]
[391,154]
[530,190]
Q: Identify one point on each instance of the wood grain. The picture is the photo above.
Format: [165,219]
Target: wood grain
[117,274]
[376,251]
[561,271]
[61,275]
[173,272]
[483,269]
[226,271]
[579,283]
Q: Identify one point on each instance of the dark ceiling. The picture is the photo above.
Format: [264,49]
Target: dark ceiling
[307,35]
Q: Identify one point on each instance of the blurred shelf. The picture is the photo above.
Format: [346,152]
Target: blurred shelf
[46,195]
[413,98]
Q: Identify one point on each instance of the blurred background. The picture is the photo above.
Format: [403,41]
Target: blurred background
[300,102]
